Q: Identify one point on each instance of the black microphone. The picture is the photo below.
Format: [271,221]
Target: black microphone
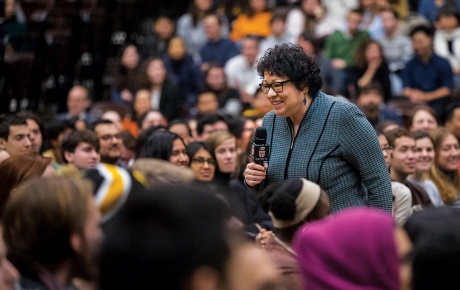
[259,149]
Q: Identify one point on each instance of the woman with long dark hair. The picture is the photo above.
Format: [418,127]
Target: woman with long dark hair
[370,66]
[167,146]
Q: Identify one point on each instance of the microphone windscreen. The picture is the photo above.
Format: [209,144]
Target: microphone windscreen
[260,136]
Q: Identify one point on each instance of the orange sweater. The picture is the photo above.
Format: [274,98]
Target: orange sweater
[259,24]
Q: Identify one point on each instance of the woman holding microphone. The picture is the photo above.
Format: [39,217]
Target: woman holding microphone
[316,136]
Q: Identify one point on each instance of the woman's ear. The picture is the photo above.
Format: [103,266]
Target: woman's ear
[68,156]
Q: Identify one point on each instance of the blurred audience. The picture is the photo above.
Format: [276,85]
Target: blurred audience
[157,37]
[126,71]
[278,32]
[435,235]
[78,103]
[218,49]
[254,20]
[164,96]
[396,48]
[370,101]
[369,65]
[63,232]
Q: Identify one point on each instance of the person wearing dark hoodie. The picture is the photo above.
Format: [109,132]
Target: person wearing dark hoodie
[184,73]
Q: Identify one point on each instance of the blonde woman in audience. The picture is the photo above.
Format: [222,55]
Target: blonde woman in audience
[444,171]
[242,201]
[425,155]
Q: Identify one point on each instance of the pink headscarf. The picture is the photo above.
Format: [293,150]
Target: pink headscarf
[352,250]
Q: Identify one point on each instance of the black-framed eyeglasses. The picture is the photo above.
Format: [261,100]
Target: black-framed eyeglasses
[388,148]
[201,161]
[276,86]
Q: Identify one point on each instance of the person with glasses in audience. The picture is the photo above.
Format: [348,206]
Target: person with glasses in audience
[110,141]
[316,136]
[202,161]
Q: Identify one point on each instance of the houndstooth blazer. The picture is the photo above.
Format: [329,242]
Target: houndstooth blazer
[335,147]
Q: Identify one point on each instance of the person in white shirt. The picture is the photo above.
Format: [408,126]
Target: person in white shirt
[240,70]
[279,33]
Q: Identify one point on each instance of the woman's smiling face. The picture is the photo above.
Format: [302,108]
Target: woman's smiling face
[289,102]
[203,165]
[424,154]
[447,158]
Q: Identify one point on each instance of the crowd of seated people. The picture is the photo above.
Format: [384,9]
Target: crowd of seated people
[112,195]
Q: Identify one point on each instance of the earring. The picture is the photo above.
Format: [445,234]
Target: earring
[304,98]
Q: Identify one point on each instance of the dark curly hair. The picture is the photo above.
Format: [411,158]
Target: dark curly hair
[289,60]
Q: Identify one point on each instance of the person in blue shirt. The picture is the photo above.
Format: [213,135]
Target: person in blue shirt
[427,77]
[217,49]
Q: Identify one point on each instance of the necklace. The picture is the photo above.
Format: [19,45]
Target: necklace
[285,246]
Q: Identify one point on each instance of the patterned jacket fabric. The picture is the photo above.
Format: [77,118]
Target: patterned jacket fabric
[335,147]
